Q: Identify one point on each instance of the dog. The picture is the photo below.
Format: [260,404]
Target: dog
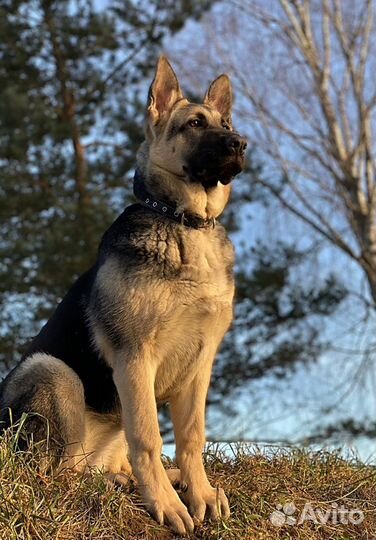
[143,325]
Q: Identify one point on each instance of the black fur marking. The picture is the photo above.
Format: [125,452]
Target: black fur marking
[213,156]
[67,337]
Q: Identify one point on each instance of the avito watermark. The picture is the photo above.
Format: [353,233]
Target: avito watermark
[336,514]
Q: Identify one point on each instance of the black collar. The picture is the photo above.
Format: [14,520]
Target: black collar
[166,209]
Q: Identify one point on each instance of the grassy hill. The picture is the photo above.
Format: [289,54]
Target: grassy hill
[263,491]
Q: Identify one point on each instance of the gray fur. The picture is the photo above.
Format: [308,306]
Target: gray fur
[51,394]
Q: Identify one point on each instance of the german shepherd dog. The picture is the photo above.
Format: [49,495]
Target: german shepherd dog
[143,325]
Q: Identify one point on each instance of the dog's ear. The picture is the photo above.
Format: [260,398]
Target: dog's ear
[164,91]
[219,96]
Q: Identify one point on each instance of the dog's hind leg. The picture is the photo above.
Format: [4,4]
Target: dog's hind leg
[52,395]
[105,445]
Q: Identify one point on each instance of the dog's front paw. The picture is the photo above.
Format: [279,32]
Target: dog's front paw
[207,501]
[169,510]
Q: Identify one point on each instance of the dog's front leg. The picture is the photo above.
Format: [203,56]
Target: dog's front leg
[188,415]
[134,379]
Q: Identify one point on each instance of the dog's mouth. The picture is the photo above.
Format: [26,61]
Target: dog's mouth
[217,157]
[210,176]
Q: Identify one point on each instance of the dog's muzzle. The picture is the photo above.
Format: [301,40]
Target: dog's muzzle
[218,157]
[236,144]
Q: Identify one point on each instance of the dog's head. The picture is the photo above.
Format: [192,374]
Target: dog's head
[194,142]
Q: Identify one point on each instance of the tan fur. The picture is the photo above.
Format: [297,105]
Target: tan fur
[104,444]
[157,372]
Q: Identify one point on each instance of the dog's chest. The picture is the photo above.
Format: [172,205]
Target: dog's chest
[201,298]
[206,261]
[166,293]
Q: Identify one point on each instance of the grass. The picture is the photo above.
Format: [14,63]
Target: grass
[68,506]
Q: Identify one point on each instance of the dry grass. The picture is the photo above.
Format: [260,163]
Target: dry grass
[68,506]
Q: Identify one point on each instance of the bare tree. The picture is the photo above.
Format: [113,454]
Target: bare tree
[305,71]
[329,165]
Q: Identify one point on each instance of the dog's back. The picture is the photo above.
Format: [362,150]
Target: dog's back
[68,335]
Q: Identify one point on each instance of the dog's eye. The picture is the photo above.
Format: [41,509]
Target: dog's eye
[196,122]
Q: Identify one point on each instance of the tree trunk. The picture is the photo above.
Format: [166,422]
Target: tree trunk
[69,112]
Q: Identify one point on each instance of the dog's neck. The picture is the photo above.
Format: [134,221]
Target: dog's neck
[167,209]
[187,197]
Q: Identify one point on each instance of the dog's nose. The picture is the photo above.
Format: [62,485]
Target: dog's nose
[236,144]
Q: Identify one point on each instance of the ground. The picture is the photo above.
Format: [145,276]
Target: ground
[278,495]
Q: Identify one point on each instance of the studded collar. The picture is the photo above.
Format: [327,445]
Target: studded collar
[165,209]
